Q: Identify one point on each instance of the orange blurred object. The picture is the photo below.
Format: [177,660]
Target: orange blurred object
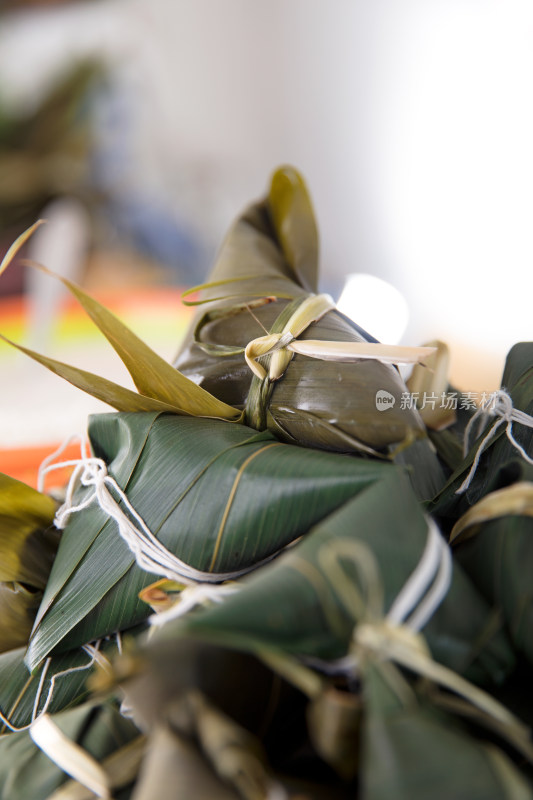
[23,464]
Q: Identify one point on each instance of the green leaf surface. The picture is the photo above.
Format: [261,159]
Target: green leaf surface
[103,389]
[20,691]
[500,463]
[294,605]
[293,218]
[125,441]
[153,376]
[26,772]
[271,251]
[412,752]
[262,495]
[499,557]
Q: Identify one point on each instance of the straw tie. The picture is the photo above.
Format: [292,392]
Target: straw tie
[282,346]
[499,404]
[394,636]
[415,604]
[150,554]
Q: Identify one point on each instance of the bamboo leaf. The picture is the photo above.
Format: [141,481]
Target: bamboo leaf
[119,443]
[69,756]
[294,222]
[26,552]
[514,500]
[169,466]
[58,684]
[116,396]
[497,459]
[121,768]
[248,286]
[273,245]
[295,605]
[236,755]
[429,754]
[19,242]
[499,556]
[153,376]
[26,772]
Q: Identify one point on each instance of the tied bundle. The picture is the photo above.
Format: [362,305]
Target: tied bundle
[318,373]
[316,618]
[219,499]
[488,510]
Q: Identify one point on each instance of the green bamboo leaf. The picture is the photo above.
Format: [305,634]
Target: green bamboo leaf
[175,463]
[248,287]
[232,751]
[499,556]
[325,404]
[294,606]
[229,678]
[501,463]
[294,222]
[276,287]
[53,687]
[26,772]
[518,363]
[118,442]
[26,551]
[176,769]
[153,376]
[116,396]
[429,754]
[499,559]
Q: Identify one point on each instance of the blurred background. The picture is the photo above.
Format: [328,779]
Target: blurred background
[140,128]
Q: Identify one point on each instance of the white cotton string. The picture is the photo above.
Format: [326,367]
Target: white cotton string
[36,714]
[499,404]
[150,554]
[415,604]
[40,689]
[48,466]
[427,585]
[190,598]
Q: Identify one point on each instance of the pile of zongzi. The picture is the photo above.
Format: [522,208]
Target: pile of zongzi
[256,583]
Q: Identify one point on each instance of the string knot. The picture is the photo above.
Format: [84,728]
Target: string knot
[88,472]
[150,554]
[498,405]
[310,310]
